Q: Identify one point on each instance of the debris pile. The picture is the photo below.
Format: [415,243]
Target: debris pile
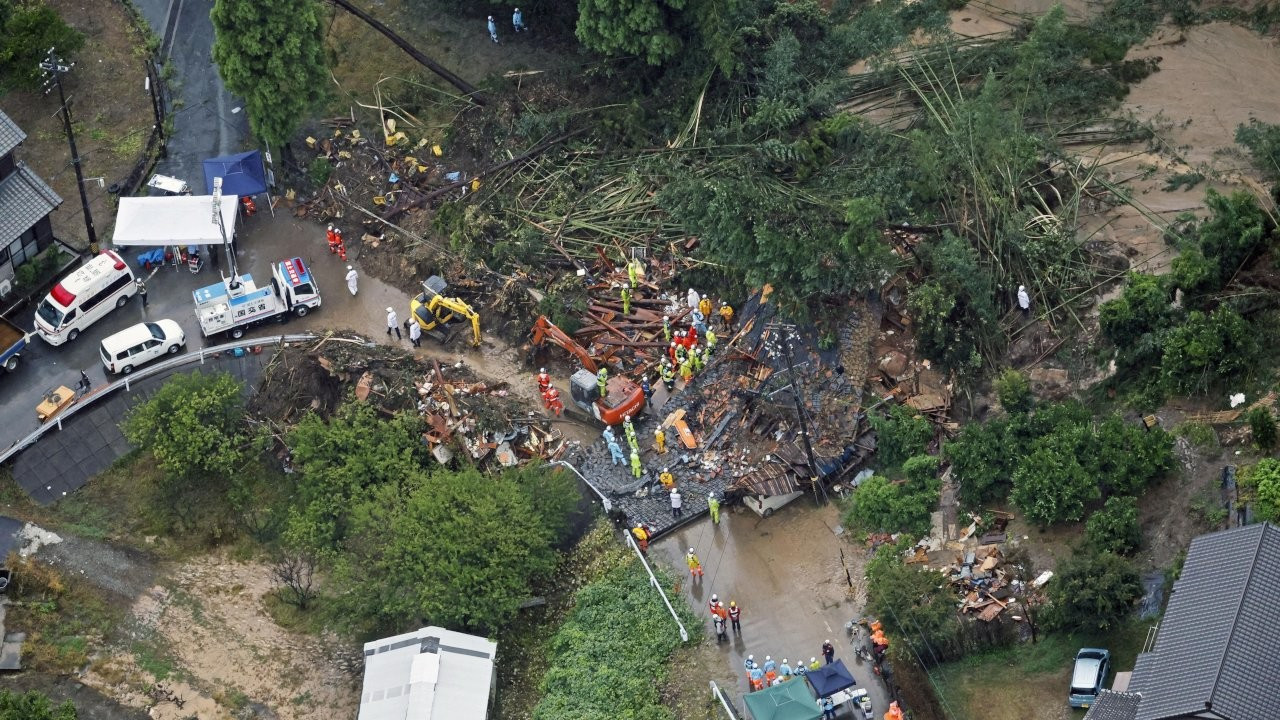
[461,412]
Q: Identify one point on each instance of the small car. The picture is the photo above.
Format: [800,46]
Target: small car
[134,346]
[1092,665]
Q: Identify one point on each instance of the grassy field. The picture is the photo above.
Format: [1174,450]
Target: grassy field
[1029,682]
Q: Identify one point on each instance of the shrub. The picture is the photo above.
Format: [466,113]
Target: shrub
[879,505]
[1207,350]
[1261,485]
[1115,527]
[609,659]
[1092,592]
[319,170]
[1263,142]
[33,706]
[903,433]
[1014,391]
[1263,426]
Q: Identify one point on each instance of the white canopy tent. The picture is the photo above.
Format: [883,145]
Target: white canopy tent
[180,220]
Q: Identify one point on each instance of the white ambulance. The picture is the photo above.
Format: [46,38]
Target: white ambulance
[84,297]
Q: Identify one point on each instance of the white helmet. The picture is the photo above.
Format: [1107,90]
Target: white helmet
[768,657]
[542,369]
[666,317]
[690,550]
[350,268]
[714,597]
[751,657]
[784,661]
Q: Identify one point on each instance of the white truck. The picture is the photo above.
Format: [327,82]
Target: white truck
[236,304]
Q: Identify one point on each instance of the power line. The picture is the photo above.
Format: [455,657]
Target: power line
[937,691]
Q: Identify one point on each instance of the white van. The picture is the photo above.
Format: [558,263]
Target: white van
[83,297]
[142,343]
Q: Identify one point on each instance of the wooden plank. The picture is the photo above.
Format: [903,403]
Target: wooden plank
[686,435]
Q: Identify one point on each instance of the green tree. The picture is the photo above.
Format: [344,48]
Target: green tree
[899,435]
[194,426]
[28,28]
[1262,483]
[457,549]
[1092,592]
[649,29]
[272,55]
[342,459]
[1051,485]
[1127,457]
[916,606]
[1236,231]
[879,505]
[983,457]
[1262,424]
[1115,527]
[1263,142]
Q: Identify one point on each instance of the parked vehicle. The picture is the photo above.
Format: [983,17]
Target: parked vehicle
[237,304]
[134,346]
[13,340]
[765,505]
[1092,665]
[84,297]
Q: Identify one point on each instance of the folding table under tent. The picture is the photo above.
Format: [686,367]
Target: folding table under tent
[243,174]
[790,700]
[830,679]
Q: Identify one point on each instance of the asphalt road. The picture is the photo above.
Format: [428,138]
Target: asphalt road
[205,126]
[210,121]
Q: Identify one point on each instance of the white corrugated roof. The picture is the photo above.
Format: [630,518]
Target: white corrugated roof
[175,220]
[429,674]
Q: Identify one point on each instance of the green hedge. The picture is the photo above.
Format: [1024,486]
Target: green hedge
[609,659]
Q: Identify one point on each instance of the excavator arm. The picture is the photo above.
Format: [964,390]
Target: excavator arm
[457,307]
[431,310]
[544,330]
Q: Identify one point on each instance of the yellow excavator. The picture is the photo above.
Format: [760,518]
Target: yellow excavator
[433,311]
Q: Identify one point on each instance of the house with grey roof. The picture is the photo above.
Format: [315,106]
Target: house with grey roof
[1217,652]
[428,674]
[26,202]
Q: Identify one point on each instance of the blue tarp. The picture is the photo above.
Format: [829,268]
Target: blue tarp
[241,174]
[830,679]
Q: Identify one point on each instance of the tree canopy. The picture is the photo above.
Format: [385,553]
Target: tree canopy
[28,28]
[194,426]
[455,548]
[1092,592]
[272,55]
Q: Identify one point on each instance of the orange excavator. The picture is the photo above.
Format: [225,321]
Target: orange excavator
[625,398]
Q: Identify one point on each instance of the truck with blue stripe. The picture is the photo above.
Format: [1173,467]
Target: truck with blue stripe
[236,304]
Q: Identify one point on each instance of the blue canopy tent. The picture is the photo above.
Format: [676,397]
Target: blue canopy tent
[242,174]
[830,679]
[788,701]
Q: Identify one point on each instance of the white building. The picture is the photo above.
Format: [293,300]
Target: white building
[430,674]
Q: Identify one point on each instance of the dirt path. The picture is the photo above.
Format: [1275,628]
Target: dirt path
[206,625]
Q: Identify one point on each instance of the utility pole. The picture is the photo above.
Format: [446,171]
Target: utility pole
[54,69]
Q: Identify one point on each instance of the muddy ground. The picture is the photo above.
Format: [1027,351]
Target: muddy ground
[110,109]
